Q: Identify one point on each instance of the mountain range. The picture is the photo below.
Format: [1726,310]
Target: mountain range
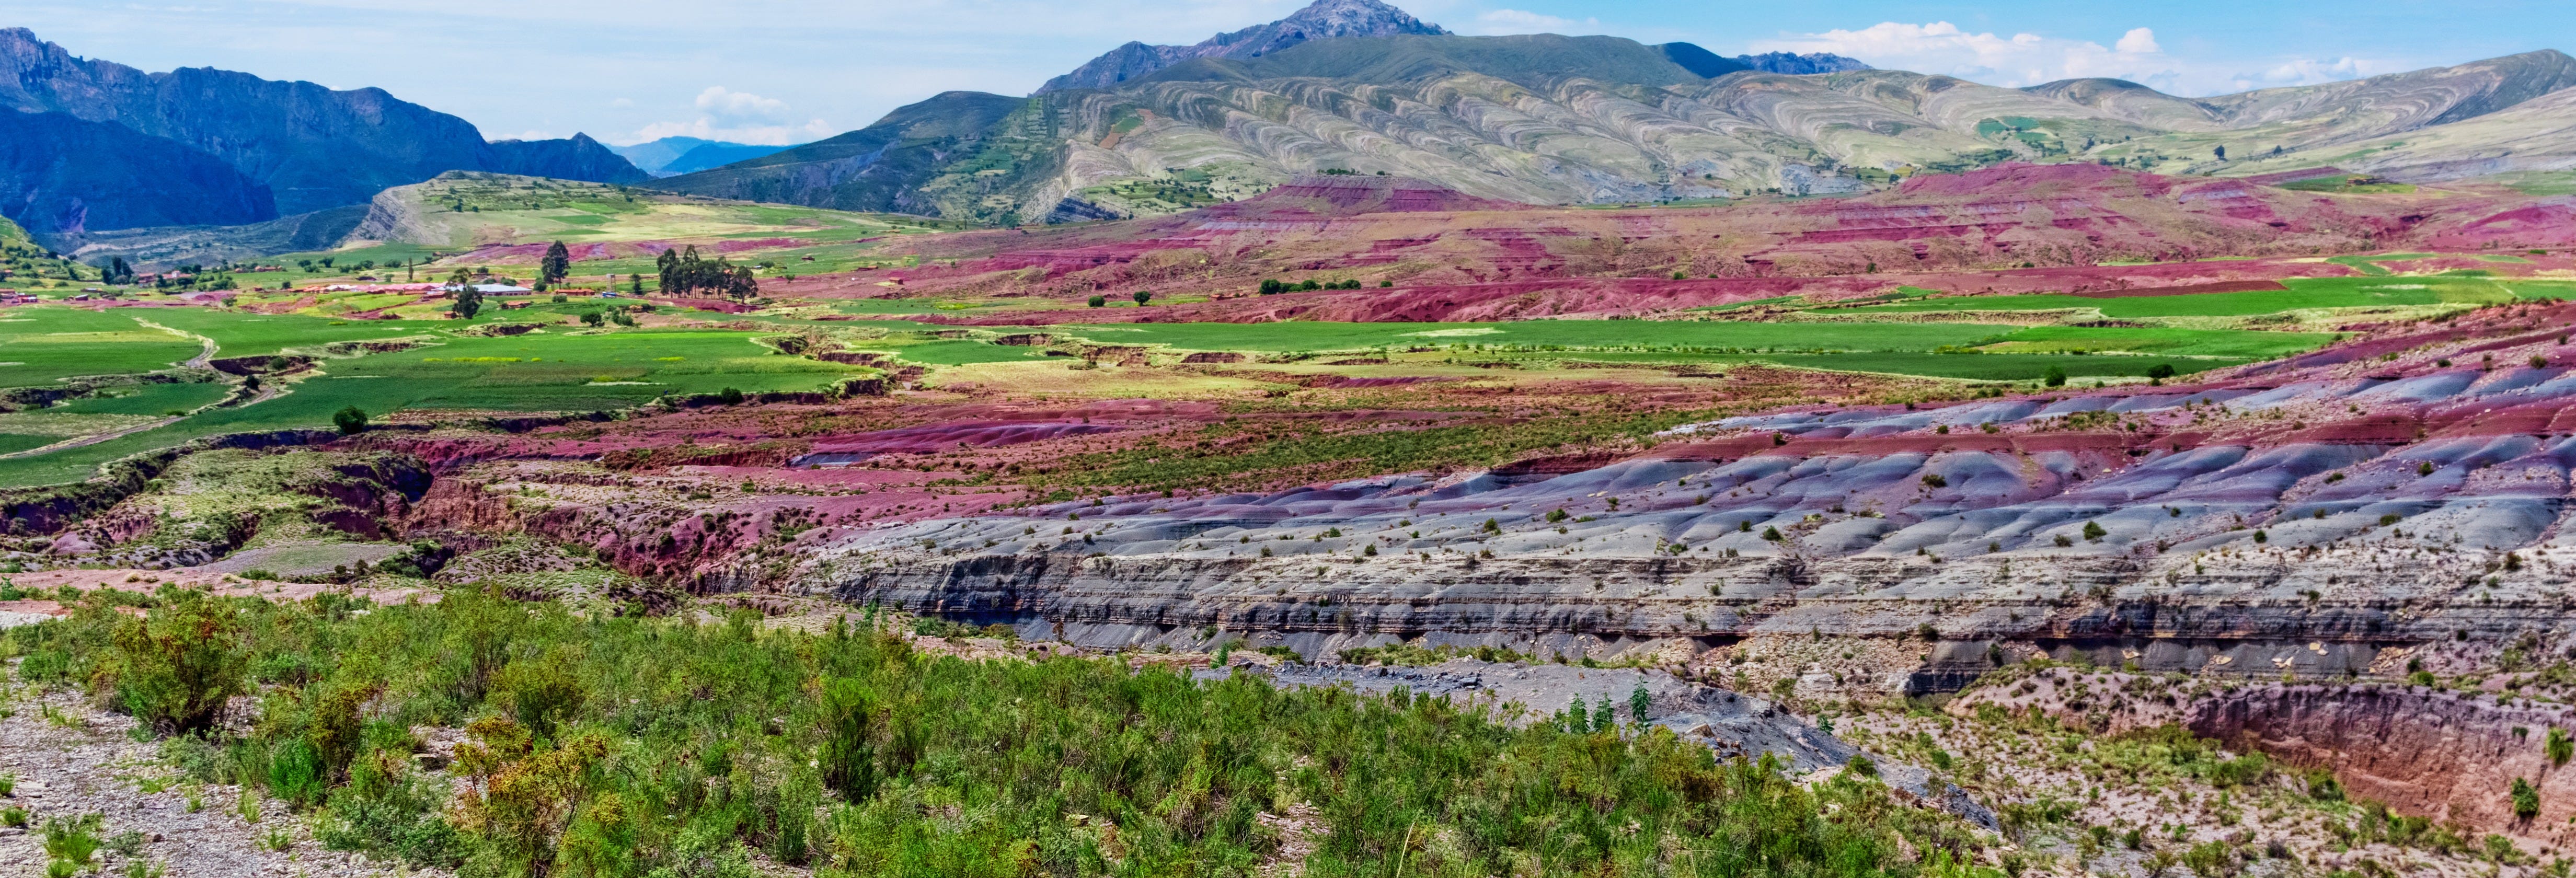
[221,147]
[1361,86]
[1340,86]
[672,156]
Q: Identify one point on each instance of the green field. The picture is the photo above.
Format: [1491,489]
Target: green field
[2237,344]
[2303,293]
[1686,335]
[550,371]
[42,344]
[249,335]
[1998,367]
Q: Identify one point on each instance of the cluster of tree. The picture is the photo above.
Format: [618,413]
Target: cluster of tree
[684,272]
[116,271]
[1272,285]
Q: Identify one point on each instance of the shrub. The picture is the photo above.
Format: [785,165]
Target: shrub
[2093,531]
[174,668]
[1935,480]
[72,840]
[1100,301]
[2558,746]
[2054,377]
[542,693]
[730,396]
[2526,799]
[351,421]
[2160,371]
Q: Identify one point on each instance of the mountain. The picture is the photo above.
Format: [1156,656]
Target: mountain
[717,155]
[311,147]
[1549,119]
[903,163]
[1326,19]
[60,174]
[1801,65]
[576,158]
[671,156]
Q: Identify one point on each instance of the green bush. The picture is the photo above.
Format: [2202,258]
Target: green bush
[691,746]
[174,668]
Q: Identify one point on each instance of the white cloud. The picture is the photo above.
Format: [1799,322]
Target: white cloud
[708,129]
[1518,21]
[719,102]
[2024,59]
[2140,41]
[741,117]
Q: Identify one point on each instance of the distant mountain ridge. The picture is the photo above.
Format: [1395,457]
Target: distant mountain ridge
[672,156]
[1801,65]
[1548,119]
[310,147]
[1326,19]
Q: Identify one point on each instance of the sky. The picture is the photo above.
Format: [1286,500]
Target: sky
[789,71]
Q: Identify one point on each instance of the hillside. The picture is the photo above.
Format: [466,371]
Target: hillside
[464,209]
[1567,120]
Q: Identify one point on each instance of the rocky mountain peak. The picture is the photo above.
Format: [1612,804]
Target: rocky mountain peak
[1324,19]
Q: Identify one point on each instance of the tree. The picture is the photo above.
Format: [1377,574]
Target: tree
[2160,371]
[2093,531]
[1639,703]
[1099,301]
[592,318]
[2220,152]
[556,265]
[2054,377]
[351,421]
[469,301]
[1143,297]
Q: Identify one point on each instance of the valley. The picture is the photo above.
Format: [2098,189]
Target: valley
[1337,447]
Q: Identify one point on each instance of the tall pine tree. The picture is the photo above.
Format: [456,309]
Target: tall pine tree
[556,265]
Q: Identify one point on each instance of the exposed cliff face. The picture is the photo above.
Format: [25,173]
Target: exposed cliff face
[311,146]
[2446,755]
[2451,756]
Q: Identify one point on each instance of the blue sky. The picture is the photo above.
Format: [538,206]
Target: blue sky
[778,71]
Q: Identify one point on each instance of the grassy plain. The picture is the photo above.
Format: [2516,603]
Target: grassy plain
[40,345]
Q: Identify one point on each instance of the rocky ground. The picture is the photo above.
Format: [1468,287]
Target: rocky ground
[71,759]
